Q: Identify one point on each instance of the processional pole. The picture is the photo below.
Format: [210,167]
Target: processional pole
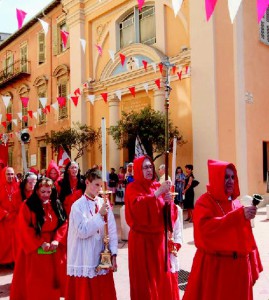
[167,217]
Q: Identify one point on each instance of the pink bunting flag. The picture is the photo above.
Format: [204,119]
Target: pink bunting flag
[77,92]
[140,4]
[9,117]
[179,74]
[158,83]
[30,113]
[4,124]
[61,101]
[20,17]
[209,8]
[99,49]
[104,96]
[75,100]
[161,67]
[44,110]
[24,101]
[261,8]
[64,35]
[122,58]
[132,90]
[145,64]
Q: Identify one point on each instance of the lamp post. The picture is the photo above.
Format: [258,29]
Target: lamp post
[167,217]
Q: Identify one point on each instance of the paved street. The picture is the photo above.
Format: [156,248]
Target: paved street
[261,289]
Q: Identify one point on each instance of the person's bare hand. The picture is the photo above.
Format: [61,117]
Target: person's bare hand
[114,263]
[168,197]
[164,188]
[45,246]
[54,245]
[104,209]
[250,212]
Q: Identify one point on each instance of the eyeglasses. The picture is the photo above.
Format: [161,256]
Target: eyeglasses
[148,167]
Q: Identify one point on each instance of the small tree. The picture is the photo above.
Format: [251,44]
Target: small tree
[79,138]
[149,125]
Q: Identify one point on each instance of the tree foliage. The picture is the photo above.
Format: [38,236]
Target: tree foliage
[79,137]
[149,125]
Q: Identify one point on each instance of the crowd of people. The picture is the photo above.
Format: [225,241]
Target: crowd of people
[57,227]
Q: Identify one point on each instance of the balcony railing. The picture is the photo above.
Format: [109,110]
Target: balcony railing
[14,71]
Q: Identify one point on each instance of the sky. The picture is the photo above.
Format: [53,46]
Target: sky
[8,18]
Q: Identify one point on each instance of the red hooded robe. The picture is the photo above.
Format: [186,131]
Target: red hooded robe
[227,263]
[146,244]
[53,165]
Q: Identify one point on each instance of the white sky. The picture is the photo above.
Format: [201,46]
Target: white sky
[8,18]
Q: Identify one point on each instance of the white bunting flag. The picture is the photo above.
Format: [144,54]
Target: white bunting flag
[6,100]
[83,44]
[146,87]
[233,6]
[45,26]
[35,114]
[19,115]
[0,117]
[55,105]
[112,54]
[154,66]
[91,98]
[136,62]
[43,101]
[176,6]
[39,111]
[118,94]
[15,121]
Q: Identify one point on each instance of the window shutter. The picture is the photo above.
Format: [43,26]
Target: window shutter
[41,45]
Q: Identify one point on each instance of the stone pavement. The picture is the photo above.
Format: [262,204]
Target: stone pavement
[261,288]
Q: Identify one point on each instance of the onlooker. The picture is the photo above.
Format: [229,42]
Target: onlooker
[227,263]
[27,186]
[72,186]
[145,201]
[9,208]
[86,238]
[41,262]
[112,184]
[162,174]
[188,192]
[129,176]
[53,172]
[179,185]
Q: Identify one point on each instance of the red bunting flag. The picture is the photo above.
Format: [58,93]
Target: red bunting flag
[161,67]
[61,101]
[132,90]
[209,8]
[179,74]
[158,83]
[24,101]
[186,69]
[104,95]
[44,110]
[99,49]
[75,100]
[64,35]
[145,64]
[30,128]
[77,92]
[9,117]
[20,17]
[122,59]
[174,68]
[25,118]
[85,84]
[30,113]
[48,108]
[11,135]
[140,4]
[4,124]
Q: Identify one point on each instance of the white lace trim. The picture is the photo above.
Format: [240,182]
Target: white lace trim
[84,271]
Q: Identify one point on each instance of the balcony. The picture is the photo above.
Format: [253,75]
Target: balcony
[15,71]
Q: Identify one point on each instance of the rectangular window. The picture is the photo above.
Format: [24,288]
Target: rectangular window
[23,57]
[147,28]
[8,65]
[62,27]
[264,28]
[41,47]
[9,111]
[62,92]
[127,32]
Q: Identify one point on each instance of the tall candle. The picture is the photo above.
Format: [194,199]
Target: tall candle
[103,130]
[174,156]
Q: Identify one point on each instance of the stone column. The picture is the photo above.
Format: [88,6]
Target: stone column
[113,151]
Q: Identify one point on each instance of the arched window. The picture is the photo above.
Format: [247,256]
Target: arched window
[138,27]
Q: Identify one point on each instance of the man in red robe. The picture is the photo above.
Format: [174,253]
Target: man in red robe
[150,278]
[227,263]
[9,208]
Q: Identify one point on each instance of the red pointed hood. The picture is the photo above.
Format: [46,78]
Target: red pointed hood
[138,172]
[216,176]
[53,165]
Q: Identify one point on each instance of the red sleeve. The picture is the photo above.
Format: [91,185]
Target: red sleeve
[231,232]
[29,240]
[61,234]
